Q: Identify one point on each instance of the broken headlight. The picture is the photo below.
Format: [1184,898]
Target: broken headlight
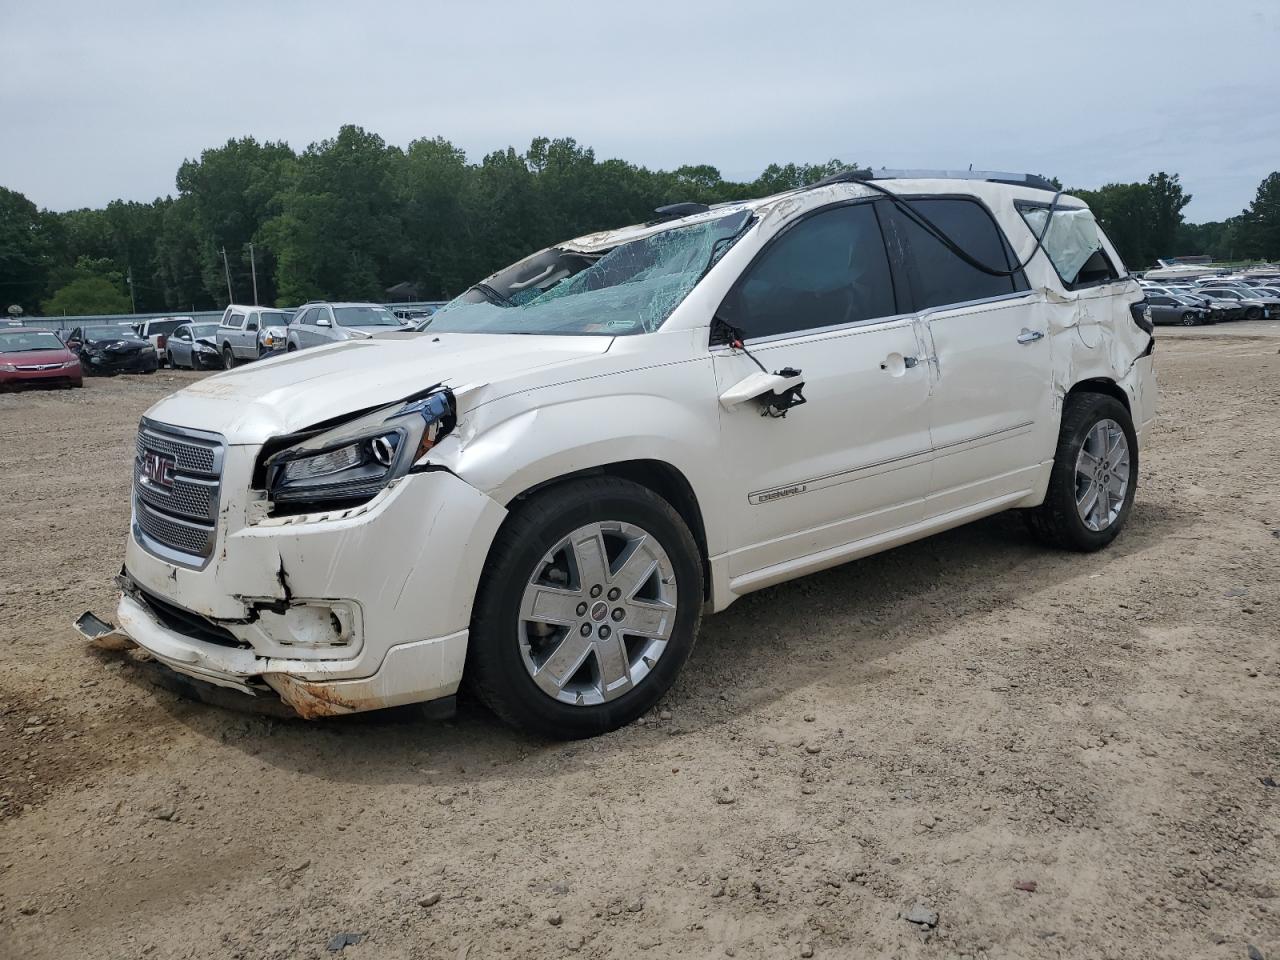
[352,462]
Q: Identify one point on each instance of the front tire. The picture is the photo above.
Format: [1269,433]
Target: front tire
[1094,477]
[587,609]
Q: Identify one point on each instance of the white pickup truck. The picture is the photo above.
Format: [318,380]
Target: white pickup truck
[250,333]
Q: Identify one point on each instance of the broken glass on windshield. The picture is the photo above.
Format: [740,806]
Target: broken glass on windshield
[631,289]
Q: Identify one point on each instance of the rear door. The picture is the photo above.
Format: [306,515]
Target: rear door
[991,417]
[853,461]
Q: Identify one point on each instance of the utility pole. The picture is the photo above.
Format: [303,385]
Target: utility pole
[253,267]
[231,297]
[132,299]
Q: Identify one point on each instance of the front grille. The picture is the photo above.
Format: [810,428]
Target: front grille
[177,521]
[191,498]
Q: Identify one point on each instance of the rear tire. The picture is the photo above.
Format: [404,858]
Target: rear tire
[228,359]
[551,535]
[1253,313]
[1063,520]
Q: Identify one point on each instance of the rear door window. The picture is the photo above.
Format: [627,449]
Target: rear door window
[940,277]
[828,269]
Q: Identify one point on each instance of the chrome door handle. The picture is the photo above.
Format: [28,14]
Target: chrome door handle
[1029,336]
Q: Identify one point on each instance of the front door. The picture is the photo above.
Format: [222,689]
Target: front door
[853,461]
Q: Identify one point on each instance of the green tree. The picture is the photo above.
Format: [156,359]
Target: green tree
[232,191]
[25,250]
[87,295]
[339,228]
[1260,224]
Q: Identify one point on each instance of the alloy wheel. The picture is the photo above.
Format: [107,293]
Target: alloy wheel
[1102,475]
[597,613]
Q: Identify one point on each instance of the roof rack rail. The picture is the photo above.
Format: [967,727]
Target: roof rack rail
[854,174]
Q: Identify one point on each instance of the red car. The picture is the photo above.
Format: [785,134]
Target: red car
[32,357]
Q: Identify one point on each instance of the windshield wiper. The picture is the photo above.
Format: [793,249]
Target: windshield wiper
[492,295]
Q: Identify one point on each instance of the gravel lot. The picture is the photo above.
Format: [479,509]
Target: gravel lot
[1055,755]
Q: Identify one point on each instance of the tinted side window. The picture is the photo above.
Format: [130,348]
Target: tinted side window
[236,320]
[830,268]
[938,276]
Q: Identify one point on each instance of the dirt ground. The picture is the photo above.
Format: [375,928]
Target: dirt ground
[1058,755]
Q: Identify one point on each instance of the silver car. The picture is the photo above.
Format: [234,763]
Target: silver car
[316,324]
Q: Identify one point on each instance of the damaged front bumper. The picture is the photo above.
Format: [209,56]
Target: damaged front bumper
[410,673]
[334,613]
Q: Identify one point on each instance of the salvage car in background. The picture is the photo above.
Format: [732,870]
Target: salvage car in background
[1256,306]
[315,324]
[108,350]
[195,346]
[157,331]
[579,455]
[34,357]
[1166,309]
[250,333]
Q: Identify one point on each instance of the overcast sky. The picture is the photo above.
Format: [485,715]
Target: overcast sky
[103,100]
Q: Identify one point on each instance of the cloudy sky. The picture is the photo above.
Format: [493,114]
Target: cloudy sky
[104,100]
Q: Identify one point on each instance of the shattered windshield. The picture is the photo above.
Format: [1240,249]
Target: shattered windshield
[631,289]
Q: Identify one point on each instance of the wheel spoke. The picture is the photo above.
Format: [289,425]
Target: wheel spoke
[1115,486]
[1113,451]
[551,605]
[1089,501]
[649,619]
[1086,463]
[564,662]
[611,658]
[634,572]
[590,558]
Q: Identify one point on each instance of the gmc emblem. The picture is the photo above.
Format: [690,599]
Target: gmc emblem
[158,469]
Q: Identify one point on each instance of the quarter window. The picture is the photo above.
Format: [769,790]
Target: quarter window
[830,268]
[1073,242]
[236,320]
[940,277]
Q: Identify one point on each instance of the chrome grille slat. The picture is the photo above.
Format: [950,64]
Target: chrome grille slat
[189,497]
[179,522]
[189,538]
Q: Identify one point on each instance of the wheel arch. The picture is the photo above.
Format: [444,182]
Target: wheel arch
[1104,386]
[662,478]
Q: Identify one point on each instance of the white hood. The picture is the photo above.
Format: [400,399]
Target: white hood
[292,392]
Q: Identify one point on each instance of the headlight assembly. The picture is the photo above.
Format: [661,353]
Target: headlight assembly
[352,462]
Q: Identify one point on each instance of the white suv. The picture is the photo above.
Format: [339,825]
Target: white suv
[547,487]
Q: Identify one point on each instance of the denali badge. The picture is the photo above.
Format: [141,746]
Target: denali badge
[158,469]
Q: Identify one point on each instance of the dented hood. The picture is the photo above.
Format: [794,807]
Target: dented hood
[289,393]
